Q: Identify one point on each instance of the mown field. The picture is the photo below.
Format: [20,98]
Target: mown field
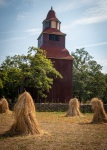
[60,133]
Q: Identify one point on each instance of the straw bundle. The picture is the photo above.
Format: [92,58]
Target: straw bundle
[74,107]
[4,107]
[99,112]
[25,118]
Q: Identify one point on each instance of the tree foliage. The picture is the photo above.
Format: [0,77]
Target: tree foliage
[88,80]
[33,70]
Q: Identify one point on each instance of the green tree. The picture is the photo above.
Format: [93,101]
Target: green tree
[1,88]
[88,80]
[31,71]
[105,93]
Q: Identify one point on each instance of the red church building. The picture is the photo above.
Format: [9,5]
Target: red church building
[53,41]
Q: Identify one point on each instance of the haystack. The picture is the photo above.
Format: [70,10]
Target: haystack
[99,112]
[74,108]
[4,107]
[25,117]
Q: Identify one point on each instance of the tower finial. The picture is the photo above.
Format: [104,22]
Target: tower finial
[51,8]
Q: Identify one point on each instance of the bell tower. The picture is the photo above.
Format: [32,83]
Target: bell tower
[53,41]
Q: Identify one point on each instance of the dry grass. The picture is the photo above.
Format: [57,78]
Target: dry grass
[25,121]
[99,112]
[74,108]
[64,133]
[4,107]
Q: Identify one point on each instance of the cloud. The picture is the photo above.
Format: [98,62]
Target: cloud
[95,44]
[22,15]
[103,63]
[29,1]
[71,5]
[65,7]
[90,20]
[92,13]
[2,2]
[14,38]
[33,31]
[6,2]
[95,14]
[99,8]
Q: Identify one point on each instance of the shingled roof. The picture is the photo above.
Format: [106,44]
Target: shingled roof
[53,31]
[57,53]
[51,15]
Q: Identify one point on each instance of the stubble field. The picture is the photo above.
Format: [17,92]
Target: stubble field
[60,133]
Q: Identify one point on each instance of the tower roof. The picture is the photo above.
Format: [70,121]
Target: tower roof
[57,53]
[51,15]
[53,31]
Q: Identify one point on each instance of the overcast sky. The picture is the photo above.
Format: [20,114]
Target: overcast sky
[84,22]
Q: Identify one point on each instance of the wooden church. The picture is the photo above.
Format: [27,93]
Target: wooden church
[53,41]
